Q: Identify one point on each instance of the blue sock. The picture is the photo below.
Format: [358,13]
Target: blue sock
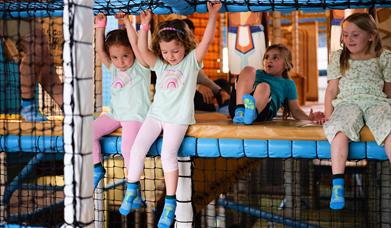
[132,199]
[167,217]
[250,110]
[337,201]
[99,173]
[29,111]
[239,114]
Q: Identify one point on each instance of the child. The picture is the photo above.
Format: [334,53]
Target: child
[260,94]
[129,89]
[358,92]
[176,61]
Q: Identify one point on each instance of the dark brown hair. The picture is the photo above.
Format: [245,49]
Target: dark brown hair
[173,30]
[116,37]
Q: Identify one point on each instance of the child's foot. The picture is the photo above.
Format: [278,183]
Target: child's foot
[31,113]
[250,110]
[239,114]
[132,199]
[337,201]
[167,217]
[99,173]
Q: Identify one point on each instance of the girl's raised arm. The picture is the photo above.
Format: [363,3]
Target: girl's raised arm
[146,54]
[207,38]
[100,25]
[132,35]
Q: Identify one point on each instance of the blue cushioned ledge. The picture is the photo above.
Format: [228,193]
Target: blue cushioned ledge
[255,148]
[304,149]
[357,150]
[375,151]
[323,149]
[231,148]
[188,147]
[280,148]
[207,147]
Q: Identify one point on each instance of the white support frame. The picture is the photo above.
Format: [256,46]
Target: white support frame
[78,109]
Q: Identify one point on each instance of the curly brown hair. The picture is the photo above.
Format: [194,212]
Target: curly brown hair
[173,30]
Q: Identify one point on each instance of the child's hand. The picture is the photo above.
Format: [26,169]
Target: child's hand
[145,17]
[100,21]
[214,7]
[123,17]
[317,117]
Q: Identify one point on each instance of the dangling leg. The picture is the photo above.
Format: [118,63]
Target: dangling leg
[339,154]
[172,139]
[103,125]
[149,131]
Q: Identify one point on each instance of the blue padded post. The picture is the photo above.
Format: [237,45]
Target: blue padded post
[255,148]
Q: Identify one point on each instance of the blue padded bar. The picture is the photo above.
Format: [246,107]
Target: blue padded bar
[205,147]
[304,149]
[323,149]
[179,7]
[188,147]
[255,148]
[55,8]
[231,148]
[280,148]
[109,145]
[375,151]
[357,150]
[208,148]
[14,143]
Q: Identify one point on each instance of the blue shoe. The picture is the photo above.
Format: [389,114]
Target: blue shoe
[250,110]
[167,217]
[239,114]
[337,201]
[99,173]
[132,199]
[31,113]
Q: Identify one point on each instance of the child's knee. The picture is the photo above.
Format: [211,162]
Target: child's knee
[169,163]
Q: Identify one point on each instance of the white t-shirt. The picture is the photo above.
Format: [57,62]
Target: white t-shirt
[175,89]
[130,92]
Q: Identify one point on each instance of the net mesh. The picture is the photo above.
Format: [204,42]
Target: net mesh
[225,192]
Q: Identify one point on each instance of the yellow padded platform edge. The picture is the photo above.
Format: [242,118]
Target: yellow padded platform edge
[209,125]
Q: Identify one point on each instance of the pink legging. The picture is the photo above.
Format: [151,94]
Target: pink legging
[172,138]
[104,125]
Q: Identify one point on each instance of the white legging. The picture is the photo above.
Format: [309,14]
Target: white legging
[172,138]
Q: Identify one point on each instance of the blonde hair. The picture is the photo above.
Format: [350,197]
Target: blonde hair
[365,22]
[173,30]
[287,55]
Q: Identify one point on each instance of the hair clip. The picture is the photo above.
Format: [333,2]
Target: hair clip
[171,29]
